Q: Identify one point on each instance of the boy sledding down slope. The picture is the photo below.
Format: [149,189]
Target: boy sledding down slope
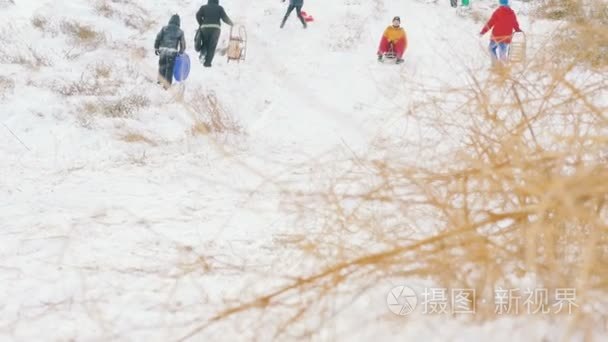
[395,39]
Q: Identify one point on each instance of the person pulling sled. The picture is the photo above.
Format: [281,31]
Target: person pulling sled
[503,22]
[393,42]
[169,42]
[297,5]
[208,33]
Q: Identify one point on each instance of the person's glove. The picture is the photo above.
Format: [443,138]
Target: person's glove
[157,52]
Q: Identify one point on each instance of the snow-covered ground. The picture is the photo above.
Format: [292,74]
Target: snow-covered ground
[106,238]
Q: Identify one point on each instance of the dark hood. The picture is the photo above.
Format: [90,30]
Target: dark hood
[174,20]
[214,2]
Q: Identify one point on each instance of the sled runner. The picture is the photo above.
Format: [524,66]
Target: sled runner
[390,55]
[237,44]
[181,69]
[517,49]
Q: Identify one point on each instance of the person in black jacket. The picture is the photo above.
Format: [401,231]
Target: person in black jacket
[297,5]
[208,18]
[166,46]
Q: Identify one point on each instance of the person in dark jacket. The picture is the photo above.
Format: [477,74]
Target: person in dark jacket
[169,42]
[208,18]
[297,5]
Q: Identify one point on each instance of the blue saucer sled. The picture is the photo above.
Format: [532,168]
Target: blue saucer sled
[181,70]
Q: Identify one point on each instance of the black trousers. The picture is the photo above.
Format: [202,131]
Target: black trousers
[209,36]
[166,62]
[298,12]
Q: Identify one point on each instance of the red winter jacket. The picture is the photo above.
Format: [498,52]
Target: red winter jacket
[502,23]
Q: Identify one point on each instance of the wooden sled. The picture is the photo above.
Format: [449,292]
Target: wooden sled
[237,44]
[517,49]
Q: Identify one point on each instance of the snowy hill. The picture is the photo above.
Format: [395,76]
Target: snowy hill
[121,220]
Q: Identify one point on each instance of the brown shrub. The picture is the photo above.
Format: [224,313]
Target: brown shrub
[40,22]
[211,117]
[507,189]
[82,34]
[7,85]
[137,138]
[113,107]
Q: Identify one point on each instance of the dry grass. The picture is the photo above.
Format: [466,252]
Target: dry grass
[123,107]
[139,52]
[102,70]
[137,138]
[212,118]
[82,34]
[7,58]
[560,10]
[96,84]
[104,8]
[79,88]
[96,81]
[37,59]
[139,22]
[7,85]
[518,198]
[585,36]
[199,128]
[587,43]
[46,25]
[25,56]
[131,14]
[14,51]
[40,22]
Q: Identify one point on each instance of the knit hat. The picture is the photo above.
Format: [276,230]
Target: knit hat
[503,2]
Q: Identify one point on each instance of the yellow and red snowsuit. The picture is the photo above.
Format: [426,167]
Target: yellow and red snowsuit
[395,36]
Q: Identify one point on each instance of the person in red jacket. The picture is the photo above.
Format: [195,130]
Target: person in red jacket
[503,22]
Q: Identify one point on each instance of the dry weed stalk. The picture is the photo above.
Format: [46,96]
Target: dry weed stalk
[132,14]
[211,116]
[117,107]
[95,82]
[584,36]
[82,34]
[133,137]
[26,56]
[7,85]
